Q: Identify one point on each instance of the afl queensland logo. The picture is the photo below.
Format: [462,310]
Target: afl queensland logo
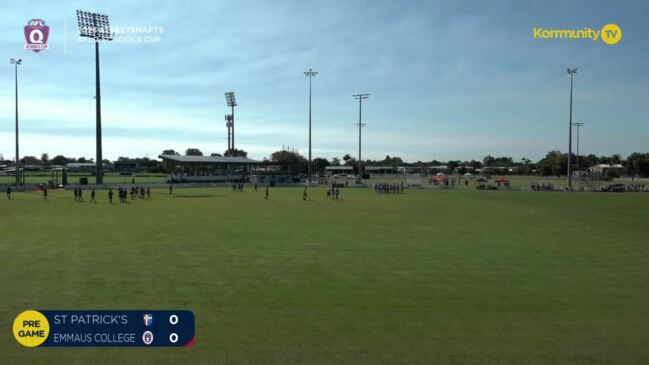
[36,33]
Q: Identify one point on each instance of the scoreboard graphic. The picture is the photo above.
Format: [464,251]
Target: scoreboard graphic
[105,328]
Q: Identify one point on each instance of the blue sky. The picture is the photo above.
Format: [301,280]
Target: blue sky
[450,79]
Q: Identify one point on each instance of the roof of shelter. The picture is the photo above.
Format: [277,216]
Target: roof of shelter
[209,160]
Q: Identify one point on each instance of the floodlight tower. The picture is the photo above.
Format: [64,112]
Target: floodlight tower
[310,74]
[360,98]
[231,101]
[17,62]
[228,124]
[578,125]
[572,73]
[97,27]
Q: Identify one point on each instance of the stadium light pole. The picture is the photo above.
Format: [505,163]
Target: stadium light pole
[578,125]
[231,101]
[228,124]
[360,98]
[97,27]
[572,73]
[17,62]
[310,74]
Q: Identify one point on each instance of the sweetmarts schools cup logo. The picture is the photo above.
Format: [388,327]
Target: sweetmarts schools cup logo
[36,33]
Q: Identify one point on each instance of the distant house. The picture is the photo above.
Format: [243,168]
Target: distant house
[380,170]
[606,170]
[81,166]
[409,169]
[337,170]
[126,166]
[495,170]
[438,168]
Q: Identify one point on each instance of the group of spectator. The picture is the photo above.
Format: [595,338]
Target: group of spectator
[389,188]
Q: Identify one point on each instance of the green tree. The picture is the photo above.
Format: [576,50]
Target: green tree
[290,162]
[347,158]
[235,153]
[554,163]
[45,159]
[30,160]
[193,152]
[60,160]
[637,164]
[488,160]
[319,164]
[452,165]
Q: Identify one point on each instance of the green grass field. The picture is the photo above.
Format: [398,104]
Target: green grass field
[427,277]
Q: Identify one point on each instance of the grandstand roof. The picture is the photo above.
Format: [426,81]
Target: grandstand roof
[209,160]
[339,168]
[378,168]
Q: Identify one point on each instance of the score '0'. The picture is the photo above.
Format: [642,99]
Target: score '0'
[173,319]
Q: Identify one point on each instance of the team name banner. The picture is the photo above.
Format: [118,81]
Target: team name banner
[87,328]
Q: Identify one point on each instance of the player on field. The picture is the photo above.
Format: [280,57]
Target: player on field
[110,196]
[304,195]
[45,193]
[266,192]
[8,192]
[92,196]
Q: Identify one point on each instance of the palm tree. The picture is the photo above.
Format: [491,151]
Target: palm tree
[45,159]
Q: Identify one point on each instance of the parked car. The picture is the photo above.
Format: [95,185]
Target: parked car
[614,188]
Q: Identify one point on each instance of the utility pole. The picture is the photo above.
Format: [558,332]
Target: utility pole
[17,166]
[310,74]
[578,125]
[572,73]
[360,98]
[228,124]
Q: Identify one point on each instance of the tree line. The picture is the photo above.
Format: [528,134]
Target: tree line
[554,162]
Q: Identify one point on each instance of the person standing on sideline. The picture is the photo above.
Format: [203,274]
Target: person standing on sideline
[8,192]
[76,195]
[148,193]
[110,196]
[266,192]
[92,196]
[45,193]
[304,195]
[171,189]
